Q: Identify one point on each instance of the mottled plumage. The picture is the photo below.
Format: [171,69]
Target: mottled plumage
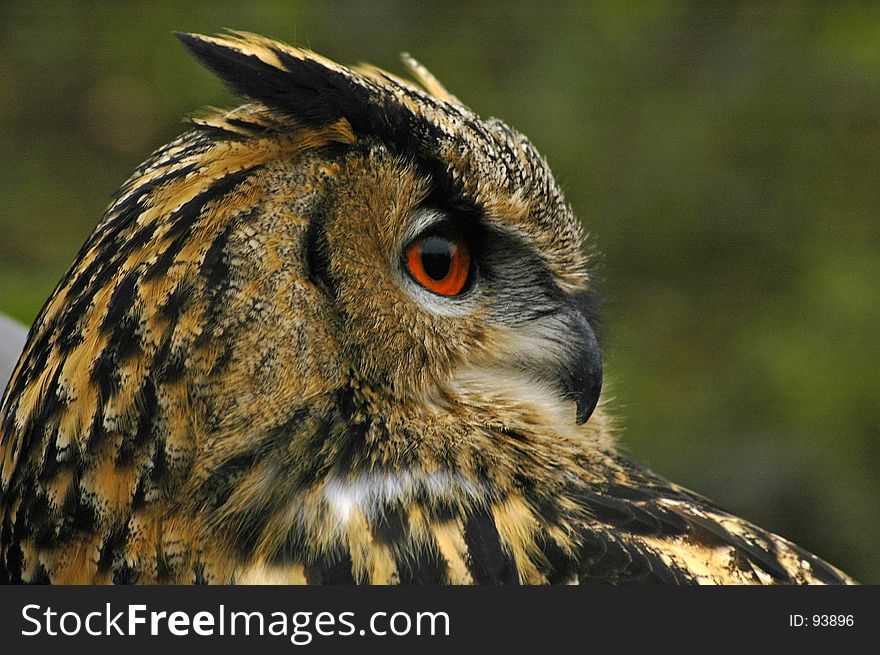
[238,381]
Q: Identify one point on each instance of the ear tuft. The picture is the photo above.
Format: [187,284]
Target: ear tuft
[316,91]
[299,82]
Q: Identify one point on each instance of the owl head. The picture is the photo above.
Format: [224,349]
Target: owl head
[440,250]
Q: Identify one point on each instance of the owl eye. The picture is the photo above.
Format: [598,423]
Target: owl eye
[440,262]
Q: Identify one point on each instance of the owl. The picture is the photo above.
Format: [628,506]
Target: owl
[344,333]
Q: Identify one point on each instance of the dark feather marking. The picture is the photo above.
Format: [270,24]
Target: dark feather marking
[100,269]
[164,261]
[96,434]
[109,241]
[41,576]
[125,340]
[124,573]
[164,567]
[438,508]
[334,567]
[49,465]
[279,436]
[34,362]
[138,500]
[105,374]
[132,443]
[183,219]
[247,125]
[116,222]
[489,563]
[138,241]
[69,335]
[34,513]
[199,577]
[176,301]
[121,302]
[36,424]
[353,445]
[111,548]
[392,525]
[80,515]
[447,194]
[215,271]
[220,364]
[421,566]
[317,257]
[126,213]
[638,517]
[46,534]
[215,268]
[169,362]
[158,463]
[559,566]
[13,562]
[482,468]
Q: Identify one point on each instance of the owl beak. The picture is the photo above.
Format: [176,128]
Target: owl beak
[582,375]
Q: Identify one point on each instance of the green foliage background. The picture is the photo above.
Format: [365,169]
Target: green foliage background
[725,158]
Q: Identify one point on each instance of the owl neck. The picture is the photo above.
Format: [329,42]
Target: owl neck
[345,467]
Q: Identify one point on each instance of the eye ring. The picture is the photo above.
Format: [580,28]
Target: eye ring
[440,261]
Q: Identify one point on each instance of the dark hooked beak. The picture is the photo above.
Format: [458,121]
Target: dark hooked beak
[581,375]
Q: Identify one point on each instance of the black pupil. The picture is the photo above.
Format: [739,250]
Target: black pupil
[437,257]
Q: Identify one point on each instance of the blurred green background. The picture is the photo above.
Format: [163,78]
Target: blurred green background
[725,159]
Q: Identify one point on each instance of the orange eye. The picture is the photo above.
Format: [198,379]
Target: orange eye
[440,262]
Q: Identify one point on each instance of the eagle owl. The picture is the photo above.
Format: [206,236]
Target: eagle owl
[341,334]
